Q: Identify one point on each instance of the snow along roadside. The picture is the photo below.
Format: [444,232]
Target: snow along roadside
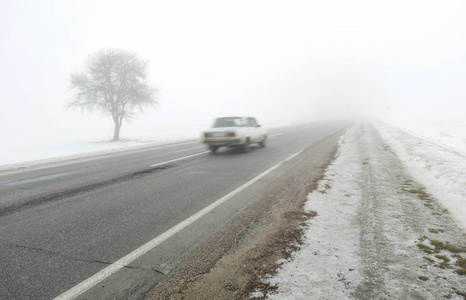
[371,233]
[329,244]
[441,170]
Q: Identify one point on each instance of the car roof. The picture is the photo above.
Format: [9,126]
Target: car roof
[241,117]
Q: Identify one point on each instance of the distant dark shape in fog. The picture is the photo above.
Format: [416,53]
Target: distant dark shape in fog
[115,83]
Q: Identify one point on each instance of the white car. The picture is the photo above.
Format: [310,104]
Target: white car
[235,132]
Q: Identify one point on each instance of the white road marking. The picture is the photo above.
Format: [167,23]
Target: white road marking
[169,161]
[276,135]
[126,260]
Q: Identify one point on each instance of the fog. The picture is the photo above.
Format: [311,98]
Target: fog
[280,61]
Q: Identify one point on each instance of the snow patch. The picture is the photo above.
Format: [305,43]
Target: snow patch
[440,169]
[329,243]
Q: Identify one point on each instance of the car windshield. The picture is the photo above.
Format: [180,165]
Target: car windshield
[228,122]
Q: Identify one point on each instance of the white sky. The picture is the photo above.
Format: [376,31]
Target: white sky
[276,60]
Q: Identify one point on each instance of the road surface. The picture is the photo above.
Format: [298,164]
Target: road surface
[62,223]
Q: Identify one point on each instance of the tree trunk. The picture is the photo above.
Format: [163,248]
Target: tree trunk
[116,131]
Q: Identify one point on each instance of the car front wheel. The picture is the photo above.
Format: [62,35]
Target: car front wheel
[262,143]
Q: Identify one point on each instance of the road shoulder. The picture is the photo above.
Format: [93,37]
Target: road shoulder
[233,263]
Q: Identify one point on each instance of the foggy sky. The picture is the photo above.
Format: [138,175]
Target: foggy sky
[280,61]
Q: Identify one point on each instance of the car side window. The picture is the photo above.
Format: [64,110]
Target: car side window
[252,122]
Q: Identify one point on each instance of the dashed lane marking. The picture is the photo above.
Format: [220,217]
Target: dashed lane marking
[181,158]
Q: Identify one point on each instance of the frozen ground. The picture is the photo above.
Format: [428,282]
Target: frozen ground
[447,133]
[390,221]
[434,162]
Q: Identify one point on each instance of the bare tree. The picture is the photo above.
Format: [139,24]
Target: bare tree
[114,82]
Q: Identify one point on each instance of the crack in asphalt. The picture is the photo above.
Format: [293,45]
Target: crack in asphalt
[42,199]
[53,253]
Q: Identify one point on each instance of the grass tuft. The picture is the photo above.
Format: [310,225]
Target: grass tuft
[446,246]
[460,293]
[461,262]
[429,259]
[446,262]
[461,272]
[432,230]
[459,266]
[423,278]
[426,248]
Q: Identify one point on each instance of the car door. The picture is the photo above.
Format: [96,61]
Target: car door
[254,130]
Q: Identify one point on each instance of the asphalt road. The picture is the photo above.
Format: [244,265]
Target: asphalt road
[62,223]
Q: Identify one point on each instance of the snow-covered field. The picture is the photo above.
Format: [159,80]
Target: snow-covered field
[446,133]
[56,145]
[391,191]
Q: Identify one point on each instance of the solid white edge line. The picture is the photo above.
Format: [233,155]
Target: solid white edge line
[124,261]
[169,161]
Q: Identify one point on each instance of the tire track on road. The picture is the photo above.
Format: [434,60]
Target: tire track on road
[64,194]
